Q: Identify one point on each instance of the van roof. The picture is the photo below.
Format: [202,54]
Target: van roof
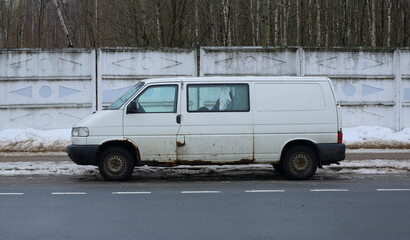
[239,79]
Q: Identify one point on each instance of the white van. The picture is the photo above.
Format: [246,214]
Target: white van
[289,122]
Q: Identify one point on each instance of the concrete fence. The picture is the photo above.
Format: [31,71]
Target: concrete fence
[54,88]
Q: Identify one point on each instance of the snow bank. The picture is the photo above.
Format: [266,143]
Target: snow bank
[376,137]
[375,133]
[32,140]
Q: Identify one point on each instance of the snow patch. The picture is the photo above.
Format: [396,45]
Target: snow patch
[375,134]
[33,140]
[44,168]
[207,171]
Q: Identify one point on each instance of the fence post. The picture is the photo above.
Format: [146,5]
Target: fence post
[300,62]
[98,105]
[398,89]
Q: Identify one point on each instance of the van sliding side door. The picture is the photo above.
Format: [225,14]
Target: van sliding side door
[216,124]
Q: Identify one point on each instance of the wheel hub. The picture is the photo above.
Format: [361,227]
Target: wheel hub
[300,163]
[115,164]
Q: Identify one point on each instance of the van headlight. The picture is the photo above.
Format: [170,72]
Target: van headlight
[80,132]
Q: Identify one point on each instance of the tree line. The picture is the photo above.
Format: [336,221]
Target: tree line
[193,23]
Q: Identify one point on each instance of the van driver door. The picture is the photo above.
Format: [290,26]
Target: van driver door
[150,122]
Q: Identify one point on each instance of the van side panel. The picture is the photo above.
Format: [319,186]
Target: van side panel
[288,97]
[292,111]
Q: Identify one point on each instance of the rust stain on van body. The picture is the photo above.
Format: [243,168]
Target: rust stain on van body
[196,162]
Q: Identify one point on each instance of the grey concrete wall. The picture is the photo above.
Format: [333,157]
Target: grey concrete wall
[118,69]
[366,84]
[372,85]
[48,89]
[54,88]
[45,89]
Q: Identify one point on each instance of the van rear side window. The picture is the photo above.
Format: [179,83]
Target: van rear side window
[289,97]
[218,97]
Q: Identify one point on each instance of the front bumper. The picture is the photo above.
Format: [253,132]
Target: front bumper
[331,153]
[83,154]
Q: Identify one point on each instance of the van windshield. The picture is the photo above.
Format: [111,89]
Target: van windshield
[124,98]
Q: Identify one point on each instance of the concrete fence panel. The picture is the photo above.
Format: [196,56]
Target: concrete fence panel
[119,69]
[255,61]
[365,83]
[404,89]
[46,89]
[339,62]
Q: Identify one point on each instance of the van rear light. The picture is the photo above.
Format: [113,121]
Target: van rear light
[339,136]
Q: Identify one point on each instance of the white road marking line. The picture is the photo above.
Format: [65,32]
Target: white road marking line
[264,191]
[329,190]
[11,194]
[129,193]
[393,190]
[68,193]
[192,192]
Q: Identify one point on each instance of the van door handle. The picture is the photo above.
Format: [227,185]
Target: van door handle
[179,117]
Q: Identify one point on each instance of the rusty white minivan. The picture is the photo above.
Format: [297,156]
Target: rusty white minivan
[291,123]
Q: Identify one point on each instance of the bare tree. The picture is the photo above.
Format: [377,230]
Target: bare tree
[227,40]
[389,23]
[6,17]
[265,16]
[21,22]
[372,11]
[318,24]
[298,22]
[285,21]
[192,23]
[63,25]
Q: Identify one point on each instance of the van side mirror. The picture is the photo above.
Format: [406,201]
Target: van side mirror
[132,108]
[135,107]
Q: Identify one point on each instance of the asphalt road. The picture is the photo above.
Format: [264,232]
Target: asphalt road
[74,207]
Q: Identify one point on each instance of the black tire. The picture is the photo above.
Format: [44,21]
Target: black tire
[116,164]
[278,168]
[299,163]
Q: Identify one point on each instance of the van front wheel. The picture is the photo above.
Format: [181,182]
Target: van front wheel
[278,168]
[299,163]
[116,164]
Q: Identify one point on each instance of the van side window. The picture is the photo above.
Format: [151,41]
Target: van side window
[156,99]
[218,97]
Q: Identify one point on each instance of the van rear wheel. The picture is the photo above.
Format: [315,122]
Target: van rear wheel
[116,164]
[299,163]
